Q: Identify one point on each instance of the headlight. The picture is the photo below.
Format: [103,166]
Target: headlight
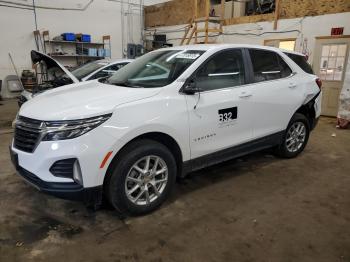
[14,120]
[61,130]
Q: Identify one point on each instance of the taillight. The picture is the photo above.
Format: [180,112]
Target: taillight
[319,83]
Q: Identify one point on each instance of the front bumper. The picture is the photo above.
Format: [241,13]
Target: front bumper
[64,190]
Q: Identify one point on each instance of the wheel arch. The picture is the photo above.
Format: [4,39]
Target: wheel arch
[308,110]
[159,137]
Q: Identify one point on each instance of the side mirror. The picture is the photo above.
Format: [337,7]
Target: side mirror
[190,87]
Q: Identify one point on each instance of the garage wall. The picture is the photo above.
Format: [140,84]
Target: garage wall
[102,17]
[303,29]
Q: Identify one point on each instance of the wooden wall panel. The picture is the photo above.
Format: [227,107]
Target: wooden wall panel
[300,8]
[178,12]
[249,19]
[175,12]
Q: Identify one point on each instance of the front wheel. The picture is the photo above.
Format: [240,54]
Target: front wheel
[295,137]
[142,179]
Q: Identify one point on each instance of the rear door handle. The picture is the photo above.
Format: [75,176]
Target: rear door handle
[292,85]
[245,94]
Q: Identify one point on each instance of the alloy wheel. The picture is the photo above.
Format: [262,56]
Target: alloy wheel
[146,180]
[296,136]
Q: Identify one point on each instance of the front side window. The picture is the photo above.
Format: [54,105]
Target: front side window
[116,67]
[86,69]
[268,65]
[224,70]
[155,69]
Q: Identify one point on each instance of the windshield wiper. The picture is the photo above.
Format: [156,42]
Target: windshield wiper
[126,84]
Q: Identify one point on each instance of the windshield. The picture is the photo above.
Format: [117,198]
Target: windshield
[155,69]
[85,70]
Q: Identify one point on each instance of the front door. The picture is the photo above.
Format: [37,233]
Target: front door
[330,61]
[219,115]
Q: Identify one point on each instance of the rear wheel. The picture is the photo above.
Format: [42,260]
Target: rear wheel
[295,138]
[142,179]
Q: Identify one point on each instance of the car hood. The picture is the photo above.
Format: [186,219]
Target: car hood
[38,57]
[82,100]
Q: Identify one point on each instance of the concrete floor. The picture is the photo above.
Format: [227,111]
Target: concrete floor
[257,208]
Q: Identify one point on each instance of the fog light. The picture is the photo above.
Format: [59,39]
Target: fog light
[77,173]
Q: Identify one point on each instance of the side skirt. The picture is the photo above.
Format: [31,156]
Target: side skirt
[232,152]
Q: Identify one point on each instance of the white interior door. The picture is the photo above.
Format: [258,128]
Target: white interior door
[330,61]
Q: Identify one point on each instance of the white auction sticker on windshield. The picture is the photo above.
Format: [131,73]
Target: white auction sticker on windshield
[191,56]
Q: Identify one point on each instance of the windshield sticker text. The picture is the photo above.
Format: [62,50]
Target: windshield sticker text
[188,56]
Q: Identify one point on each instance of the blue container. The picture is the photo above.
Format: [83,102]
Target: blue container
[86,38]
[101,52]
[92,52]
[68,36]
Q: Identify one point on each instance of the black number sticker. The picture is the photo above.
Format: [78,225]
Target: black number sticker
[227,114]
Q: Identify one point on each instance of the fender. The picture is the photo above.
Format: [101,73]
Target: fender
[308,109]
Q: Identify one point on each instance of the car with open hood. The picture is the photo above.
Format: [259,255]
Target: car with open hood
[52,74]
[128,137]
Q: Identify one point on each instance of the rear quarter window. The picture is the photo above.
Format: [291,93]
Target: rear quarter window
[301,62]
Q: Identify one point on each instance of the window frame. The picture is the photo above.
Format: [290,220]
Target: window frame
[344,65]
[251,68]
[279,41]
[204,63]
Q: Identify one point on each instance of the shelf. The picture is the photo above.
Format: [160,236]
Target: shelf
[71,42]
[210,19]
[87,56]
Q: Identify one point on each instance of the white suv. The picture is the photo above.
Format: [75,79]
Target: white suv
[167,113]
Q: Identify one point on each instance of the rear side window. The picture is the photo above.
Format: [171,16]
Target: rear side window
[268,65]
[223,70]
[301,62]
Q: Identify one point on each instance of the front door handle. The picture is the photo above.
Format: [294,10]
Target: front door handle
[245,94]
[292,85]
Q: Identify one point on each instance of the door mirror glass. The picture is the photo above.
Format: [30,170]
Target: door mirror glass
[190,87]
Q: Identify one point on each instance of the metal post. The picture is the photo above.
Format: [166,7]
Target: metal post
[35,20]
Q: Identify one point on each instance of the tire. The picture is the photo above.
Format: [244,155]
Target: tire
[293,144]
[126,176]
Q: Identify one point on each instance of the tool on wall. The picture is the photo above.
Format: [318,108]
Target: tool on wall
[39,43]
[16,71]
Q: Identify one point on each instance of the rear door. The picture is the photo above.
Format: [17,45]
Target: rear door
[219,115]
[277,92]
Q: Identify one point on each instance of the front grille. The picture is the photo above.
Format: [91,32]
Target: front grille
[27,134]
[63,168]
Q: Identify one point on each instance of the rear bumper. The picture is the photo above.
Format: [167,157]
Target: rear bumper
[314,123]
[64,190]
